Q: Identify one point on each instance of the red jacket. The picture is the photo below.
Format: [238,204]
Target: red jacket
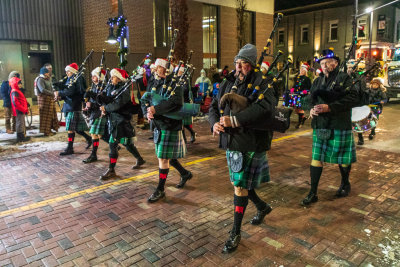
[18,100]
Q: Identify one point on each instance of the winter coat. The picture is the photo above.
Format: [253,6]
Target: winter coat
[18,101]
[376,96]
[341,99]
[73,95]
[119,117]
[247,137]
[171,104]
[5,93]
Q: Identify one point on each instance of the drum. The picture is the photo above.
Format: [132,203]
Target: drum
[363,119]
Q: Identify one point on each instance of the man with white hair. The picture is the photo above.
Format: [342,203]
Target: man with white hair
[168,138]
[332,98]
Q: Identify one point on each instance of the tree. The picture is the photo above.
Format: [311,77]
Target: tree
[240,13]
[180,21]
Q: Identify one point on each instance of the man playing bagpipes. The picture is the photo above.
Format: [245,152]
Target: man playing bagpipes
[240,135]
[168,138]
[117,105]
[72,94]
[92,109]
[332,99]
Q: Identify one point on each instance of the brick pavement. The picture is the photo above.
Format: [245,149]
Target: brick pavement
[115,225]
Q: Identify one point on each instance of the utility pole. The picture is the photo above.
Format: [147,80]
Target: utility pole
[355,29]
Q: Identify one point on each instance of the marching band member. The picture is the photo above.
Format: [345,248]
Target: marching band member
[377,97]
[97,122]
[73,99]
[333,140]
[117,107]
[187,98]
[168,138]
[245,145]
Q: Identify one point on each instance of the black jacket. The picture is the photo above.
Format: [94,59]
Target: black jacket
[170,104]
[73,95]
[247,137]
[5,93]
[119,116]
[91,97]
[341,99]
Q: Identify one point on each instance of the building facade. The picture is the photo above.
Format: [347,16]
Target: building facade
[212,30]
[36,32]
[305,31]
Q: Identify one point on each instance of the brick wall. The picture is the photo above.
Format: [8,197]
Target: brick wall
[264,24]
[195,36]
[228,36]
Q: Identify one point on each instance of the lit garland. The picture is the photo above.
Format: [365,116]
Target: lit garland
[122,29]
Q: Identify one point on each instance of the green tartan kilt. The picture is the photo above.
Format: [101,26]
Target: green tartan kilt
[74,121]
[98,126]
[187,120]
[255,170]
[338,149]
[170,145]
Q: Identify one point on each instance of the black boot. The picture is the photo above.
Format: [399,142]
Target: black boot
[139,162]
[90,159]
[259,218]
[22,138]
[184,179]
[87,137]
[345,187]
[372,134]
[157,195]
[232,243]
[360,139]
[315,174]
[192,133]
[301,122]
[110,173]
[68,151]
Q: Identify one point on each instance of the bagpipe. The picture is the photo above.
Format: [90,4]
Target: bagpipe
[153,98]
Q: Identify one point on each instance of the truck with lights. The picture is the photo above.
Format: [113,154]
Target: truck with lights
[391,79]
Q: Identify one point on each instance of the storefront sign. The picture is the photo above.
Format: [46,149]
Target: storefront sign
[381,24]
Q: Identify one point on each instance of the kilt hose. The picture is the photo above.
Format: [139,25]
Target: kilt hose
[75,122]
[338,149]
[98,126]
[48,114]
[187,120]
[170,145]
[255,170]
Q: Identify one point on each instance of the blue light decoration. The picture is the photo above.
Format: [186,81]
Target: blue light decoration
[397,51]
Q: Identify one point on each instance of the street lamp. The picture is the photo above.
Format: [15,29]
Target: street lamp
[111,38]
[370,10]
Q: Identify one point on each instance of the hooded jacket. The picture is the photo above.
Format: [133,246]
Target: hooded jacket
[18,100]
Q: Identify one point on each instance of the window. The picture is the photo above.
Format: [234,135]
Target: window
[162,29]
[362,29]
[249,27]
[333,31]
[304,34]
[210,36]
[281,37]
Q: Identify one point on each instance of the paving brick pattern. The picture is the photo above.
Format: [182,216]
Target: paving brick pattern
[116,226]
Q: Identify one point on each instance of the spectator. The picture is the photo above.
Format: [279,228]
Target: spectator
[5,93]
[19,108]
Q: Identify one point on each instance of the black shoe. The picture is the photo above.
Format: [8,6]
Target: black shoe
[232,243]
[184,179]
[259,218]
[371,136]
[90,159]
[139,163]
[89,143]
[360,143]
[310,198]
[193,138]
[298,125]
[110,173]
[157,195]
[303,120]
[343,190]
[68,151]
[22,138]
